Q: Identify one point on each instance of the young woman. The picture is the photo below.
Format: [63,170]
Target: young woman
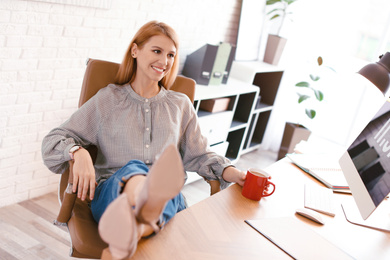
[132,123]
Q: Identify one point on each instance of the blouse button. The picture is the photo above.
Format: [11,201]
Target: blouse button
[146,100]
[147,146]
[147,129]
[147,161]
[146,110]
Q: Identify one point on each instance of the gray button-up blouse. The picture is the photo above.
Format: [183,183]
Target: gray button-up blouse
[125,126]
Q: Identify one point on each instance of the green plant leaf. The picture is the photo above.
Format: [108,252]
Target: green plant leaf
[289,1]
[302,98]
[275,16]
[332,69]
[271,2]
[314,78]
[275,10]
[319,95]
[303,84]
[311,113]
[270,12]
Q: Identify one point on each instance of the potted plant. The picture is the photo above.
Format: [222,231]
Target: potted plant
[296,132]
[311,91]
[276,43]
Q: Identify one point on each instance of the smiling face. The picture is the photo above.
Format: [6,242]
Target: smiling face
[155,58]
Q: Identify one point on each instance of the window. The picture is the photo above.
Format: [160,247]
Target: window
[373,30]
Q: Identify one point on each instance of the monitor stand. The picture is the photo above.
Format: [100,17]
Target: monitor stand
[378,220]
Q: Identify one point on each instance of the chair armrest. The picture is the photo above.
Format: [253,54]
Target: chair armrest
[215,186]
[68,199]
[66,207]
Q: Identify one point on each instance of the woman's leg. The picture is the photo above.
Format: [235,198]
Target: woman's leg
[173,206]
[110,189]
[156,195]
[163,183]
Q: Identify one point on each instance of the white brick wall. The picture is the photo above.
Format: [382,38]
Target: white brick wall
[43,48]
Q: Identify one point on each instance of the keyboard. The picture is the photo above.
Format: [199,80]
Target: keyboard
[319,199]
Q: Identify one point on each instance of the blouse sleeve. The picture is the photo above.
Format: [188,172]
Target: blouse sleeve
[80,129]
[197,156]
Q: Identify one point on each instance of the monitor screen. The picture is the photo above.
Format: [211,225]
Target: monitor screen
[366,163]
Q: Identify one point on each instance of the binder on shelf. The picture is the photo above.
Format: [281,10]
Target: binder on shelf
[210,64]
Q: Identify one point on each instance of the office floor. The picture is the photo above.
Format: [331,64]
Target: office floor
[27,231]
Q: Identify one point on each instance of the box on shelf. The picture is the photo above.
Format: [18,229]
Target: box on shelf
[215,105]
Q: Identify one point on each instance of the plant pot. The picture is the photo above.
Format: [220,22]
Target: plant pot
[274,49]
[293,134]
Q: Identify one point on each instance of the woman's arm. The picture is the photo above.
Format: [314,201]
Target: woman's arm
[80,129]
[199,158]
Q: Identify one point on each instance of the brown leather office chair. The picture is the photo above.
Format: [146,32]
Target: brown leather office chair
[74,213]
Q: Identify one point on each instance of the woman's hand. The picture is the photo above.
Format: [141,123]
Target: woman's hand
[83,174]
[232,174]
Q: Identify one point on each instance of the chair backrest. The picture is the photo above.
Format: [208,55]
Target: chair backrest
[100,73]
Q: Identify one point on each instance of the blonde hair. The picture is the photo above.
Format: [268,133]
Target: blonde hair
[128,67]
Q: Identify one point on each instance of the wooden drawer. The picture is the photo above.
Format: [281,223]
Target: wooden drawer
[216,126]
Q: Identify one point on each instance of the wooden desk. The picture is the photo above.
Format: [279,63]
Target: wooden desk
[215,228]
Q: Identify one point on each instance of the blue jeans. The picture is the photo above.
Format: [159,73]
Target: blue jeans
[109,190]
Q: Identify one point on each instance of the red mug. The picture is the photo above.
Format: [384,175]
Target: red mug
[256,184]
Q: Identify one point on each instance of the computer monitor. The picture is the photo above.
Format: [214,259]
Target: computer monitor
[366,164]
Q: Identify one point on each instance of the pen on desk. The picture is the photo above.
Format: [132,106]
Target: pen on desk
[342,191]
[349,192]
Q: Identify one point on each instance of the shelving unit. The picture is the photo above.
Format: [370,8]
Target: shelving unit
[226,130]
[267,77]
[241,127]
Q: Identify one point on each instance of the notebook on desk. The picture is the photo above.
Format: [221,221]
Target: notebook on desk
[323,167]
[297,239]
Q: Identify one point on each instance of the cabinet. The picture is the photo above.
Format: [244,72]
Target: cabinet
[267,78]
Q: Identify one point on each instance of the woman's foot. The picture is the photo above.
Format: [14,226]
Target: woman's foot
[118,227]
[163,182]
